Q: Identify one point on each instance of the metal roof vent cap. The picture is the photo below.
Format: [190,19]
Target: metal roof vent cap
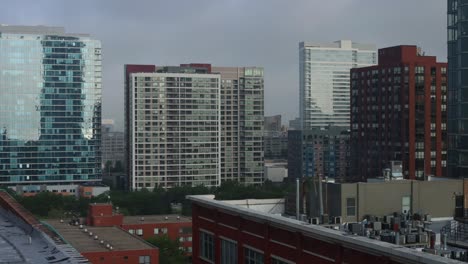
[95,237]
[90,234]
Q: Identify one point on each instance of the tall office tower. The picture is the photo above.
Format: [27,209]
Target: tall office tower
[457,42]
[398,113]
[242,112]
[324,81]
[239,155]
[174,127]
[50,108]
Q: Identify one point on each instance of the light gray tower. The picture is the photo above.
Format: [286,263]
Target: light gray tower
[325,81]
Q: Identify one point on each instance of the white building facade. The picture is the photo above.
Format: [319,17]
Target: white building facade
[175,129]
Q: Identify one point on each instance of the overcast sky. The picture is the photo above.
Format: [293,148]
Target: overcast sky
[232,33]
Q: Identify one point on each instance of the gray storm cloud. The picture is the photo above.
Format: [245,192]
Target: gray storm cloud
[233,33]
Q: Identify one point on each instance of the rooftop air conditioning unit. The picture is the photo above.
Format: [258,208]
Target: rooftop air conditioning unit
[315,220]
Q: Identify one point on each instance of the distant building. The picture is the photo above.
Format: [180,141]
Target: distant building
[324,81]
[272,124]
[318,152]
[107,125]
[399,112]
[276,146]
[457,37]
[113,149]
[295,124]
[197,125]
[50,107]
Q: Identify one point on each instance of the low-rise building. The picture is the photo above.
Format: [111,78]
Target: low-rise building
[106,244]
[174,226]
[275,171]
[146,226]
[228,233]
[353,201]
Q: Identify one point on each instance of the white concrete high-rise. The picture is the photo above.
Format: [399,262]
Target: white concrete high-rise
[324,81]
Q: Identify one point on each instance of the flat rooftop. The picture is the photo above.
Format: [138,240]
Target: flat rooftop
[353,241]
[114,236]
[40,29]
[148,219]
[15,246]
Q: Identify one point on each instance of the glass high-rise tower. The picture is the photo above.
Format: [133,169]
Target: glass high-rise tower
[457,108]
[324,81]
[50,107]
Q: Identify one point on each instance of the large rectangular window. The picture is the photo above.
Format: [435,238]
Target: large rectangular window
[252,256]
[144,260]
[207,246]
[228,252]
[351,206]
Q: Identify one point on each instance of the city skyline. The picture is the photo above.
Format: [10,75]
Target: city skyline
[266,34]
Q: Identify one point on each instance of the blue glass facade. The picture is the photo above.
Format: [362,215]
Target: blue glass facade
[50,106]
[457,115]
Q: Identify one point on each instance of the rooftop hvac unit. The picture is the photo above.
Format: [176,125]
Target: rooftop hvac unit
[337,220]
[377,226]
[315,220]
[303,218]
[428,217]
[355,228]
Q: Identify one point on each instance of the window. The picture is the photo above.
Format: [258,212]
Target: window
[139,232]
[164,230]
[278,260]
[144,260]
[131,231]
[206,246]
[156,231]
[405,204]
[181,239]
[228,252]
[253,256]
[351,206]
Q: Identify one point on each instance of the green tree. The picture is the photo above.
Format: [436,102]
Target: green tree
[169,252]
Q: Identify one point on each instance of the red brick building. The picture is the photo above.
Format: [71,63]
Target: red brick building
[226,233]
[109,244]
[146,226]
[175,227]
[398,112]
